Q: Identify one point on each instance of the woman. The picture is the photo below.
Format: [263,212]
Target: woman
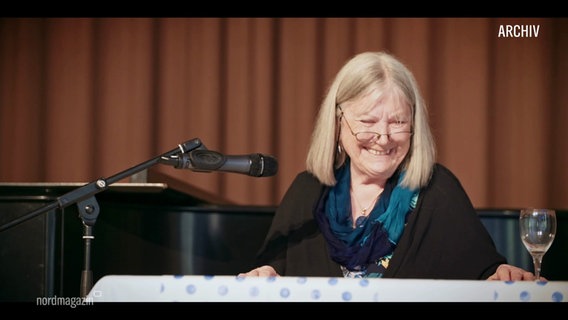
[373,202]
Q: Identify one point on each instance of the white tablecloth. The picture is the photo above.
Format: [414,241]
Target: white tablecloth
[169,288]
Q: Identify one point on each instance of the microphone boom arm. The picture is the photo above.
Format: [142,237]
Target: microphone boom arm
[101,184]
[88,207]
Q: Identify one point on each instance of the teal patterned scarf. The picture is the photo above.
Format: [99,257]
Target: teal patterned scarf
[354,248]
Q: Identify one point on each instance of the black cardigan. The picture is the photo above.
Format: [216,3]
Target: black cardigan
[443,239]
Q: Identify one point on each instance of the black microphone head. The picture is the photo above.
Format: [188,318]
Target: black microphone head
[255,164]
[263,165]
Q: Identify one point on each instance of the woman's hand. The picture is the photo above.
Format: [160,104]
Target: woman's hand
[264,271]
[506,272]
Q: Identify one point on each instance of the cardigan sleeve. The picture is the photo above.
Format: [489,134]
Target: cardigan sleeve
[292,218]
[444,237]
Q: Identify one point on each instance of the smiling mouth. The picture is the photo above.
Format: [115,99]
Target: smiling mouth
[380,153]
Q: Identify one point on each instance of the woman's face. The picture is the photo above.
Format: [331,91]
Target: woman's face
[376,133]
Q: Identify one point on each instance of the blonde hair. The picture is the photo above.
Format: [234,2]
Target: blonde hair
[359,74]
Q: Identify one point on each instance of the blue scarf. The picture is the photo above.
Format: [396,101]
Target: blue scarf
[359,247]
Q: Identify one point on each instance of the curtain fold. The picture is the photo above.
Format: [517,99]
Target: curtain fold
[83,98]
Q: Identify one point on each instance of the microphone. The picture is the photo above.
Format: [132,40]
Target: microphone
[202,160]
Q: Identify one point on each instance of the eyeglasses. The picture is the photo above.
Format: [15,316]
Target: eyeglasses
[369,136]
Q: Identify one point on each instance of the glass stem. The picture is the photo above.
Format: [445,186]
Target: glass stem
[537,261]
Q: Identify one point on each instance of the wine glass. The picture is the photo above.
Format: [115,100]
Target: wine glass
[538,229]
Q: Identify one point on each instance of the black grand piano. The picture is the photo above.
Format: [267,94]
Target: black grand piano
[166,228]
[142,229]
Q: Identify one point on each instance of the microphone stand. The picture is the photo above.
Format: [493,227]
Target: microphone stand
[88,207]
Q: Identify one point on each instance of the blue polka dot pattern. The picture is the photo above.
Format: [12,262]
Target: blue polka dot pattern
[525,296]
[223,290]
[316,295]
[557,297]
[284,292]
[190,289]
[210,288]
[254,291]
[376,297]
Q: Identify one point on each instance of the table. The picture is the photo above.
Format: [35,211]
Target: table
[196,288]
